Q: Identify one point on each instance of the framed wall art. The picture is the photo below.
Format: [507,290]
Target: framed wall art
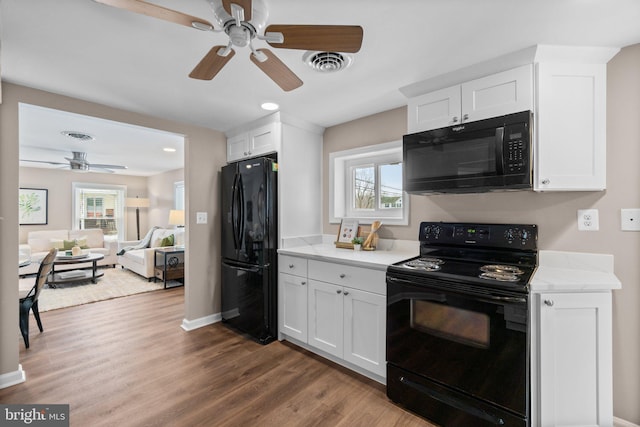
[33,206]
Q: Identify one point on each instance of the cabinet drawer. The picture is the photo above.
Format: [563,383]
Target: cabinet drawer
[345,275]
[292,265]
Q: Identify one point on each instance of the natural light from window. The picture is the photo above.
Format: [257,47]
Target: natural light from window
[366,184]
[99,206]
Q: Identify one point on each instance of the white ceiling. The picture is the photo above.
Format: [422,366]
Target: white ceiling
[90,51]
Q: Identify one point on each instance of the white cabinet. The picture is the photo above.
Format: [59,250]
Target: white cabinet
[345,309]
[498,94]
[571,359]
[571,147]
[261,140]
[346,318]
[292,297]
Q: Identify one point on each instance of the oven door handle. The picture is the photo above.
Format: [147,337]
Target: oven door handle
[498,299]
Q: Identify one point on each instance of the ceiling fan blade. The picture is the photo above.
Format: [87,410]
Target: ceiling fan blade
[245,4]
[99,169]
[212,63]
[338,38]
[276,70]
[44,161]
[155,11]
[96,166]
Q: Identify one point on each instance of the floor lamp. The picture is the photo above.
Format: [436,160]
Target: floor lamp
[137,202]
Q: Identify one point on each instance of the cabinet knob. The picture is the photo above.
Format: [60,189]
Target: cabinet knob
[290,265]
[549,302]
[346,293]
[245,153]
[465,117]
[303,283]
[455,119]
[342,276]
[338,291]
[546,181]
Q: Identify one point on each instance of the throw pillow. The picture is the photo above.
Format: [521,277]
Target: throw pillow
[68,244]
[167,241]
[82,242]
[57,243]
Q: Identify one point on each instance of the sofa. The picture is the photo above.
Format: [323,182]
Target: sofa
[141,261]
[91,240]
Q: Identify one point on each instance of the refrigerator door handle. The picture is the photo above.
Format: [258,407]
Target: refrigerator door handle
[241,219]
[234,211]
[238,267]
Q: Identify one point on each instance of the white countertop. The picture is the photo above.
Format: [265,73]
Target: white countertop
[322,248]
[574,271]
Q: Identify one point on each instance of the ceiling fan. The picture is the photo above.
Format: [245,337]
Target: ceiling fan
[243,21]
[80,163]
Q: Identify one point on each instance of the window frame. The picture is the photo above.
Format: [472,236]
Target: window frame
[120,217]
[341,193]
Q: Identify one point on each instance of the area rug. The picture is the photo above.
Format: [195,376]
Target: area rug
[115,283]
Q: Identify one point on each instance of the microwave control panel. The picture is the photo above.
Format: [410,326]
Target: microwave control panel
[516,145]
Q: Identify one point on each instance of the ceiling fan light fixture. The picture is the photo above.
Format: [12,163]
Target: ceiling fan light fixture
[269,106]
[327,62]
[78,136]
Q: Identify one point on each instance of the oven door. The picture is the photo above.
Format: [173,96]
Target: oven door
[457,352]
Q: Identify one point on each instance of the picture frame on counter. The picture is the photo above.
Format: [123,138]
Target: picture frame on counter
[349,228]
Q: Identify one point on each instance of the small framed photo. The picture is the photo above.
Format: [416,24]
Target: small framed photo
[348,230]
[33,206]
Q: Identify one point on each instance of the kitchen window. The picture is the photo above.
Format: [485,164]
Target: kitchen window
[366,183]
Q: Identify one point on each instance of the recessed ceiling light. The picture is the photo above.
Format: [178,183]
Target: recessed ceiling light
[269,106]
[169,150]
[79,136]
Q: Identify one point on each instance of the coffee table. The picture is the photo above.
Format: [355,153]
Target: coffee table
[77,275]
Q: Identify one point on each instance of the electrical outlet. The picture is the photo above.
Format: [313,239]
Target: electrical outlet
[201,217]
[588,220]
[630,219]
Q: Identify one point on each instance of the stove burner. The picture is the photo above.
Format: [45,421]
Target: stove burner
[426,264]
[502,269]
[499,276]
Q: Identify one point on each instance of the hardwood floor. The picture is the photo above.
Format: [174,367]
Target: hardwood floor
[127,362]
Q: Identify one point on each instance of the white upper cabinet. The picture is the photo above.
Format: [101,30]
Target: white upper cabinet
[571,117]
[502,93]
[256,142]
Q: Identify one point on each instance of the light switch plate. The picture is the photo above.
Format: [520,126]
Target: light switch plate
[630,219]
[201,217]
[588,220]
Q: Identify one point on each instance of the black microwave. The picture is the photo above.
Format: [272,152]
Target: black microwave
[486,155]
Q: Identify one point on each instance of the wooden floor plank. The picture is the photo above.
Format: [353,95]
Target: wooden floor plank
[127,362]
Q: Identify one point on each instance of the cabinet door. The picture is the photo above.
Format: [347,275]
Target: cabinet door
[575,375]
[365,330]
[326,317]
[434,109]
[503,93]
[264,139]
[237,147]
[571,127]
[292,312]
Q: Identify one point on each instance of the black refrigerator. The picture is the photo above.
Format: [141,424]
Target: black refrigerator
[249,248]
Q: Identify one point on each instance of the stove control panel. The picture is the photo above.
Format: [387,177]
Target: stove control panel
[516,236]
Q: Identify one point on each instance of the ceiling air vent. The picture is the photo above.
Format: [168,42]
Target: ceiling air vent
[327,62]
[79,136]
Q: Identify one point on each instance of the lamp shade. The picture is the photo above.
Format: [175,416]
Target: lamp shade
[176,217]
[137,202]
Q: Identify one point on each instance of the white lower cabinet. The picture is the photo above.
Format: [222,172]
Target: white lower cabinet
[292,313]
[338,314]
[571,359]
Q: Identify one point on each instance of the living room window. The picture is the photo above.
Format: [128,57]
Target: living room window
[99,206]
[366,183]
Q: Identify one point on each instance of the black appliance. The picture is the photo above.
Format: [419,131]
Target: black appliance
[458,324]
[486,155]
[249,248]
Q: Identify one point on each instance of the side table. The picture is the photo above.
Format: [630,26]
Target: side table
[168,264]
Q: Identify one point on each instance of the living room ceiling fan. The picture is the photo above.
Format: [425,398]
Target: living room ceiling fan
[80,163]
[243,21]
